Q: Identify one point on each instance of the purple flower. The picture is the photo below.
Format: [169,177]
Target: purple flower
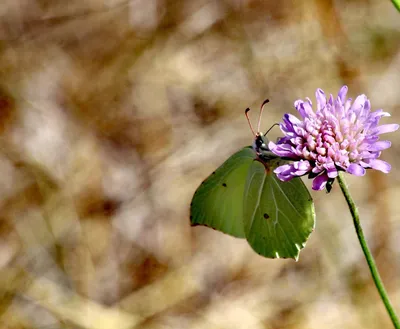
[340,135]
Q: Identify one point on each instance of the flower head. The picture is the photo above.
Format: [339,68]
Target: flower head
[340,135]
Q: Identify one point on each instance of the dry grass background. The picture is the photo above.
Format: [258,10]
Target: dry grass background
[111,114]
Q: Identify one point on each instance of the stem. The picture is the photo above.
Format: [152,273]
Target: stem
[396,3]
[367,253]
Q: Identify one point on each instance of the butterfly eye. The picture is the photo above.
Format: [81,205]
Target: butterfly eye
[257,144]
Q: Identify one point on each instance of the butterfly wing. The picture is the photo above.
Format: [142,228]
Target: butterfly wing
[218,201]
[278,216]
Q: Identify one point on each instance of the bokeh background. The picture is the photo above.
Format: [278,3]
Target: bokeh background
[111,114]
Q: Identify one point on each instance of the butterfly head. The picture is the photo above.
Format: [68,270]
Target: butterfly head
[260,143]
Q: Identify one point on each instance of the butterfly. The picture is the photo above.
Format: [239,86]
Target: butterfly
[245,199]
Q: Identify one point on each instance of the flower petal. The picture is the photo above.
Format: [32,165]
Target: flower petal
[282,150]
[342,93]
[301,167]
[321,99]
[356,169]
[331,169]
[367,105]
[379,114]
[284,173]
[292,119]
[379,146]
[319,182]
[379,165]
[388,128]
[283,168]
[299,107]
[370,155]
[358,104]
[304,108]
[347,104]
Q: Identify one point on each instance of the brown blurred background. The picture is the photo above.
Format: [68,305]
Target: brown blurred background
[111,114]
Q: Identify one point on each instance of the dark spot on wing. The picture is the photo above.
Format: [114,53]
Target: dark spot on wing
[223,184]
[191,217]
[266,216]
[213,173]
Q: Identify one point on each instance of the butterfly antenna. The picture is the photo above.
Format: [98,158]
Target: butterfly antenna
[261,111]
[248,120]
[275,124]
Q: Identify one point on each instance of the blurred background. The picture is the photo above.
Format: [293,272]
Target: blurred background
[112,113]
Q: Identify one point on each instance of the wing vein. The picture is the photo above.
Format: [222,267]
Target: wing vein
[258,200]
[290,202]
[294,230]
[277,221]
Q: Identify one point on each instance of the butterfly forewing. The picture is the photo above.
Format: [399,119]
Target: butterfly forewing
[278,216]
[218,201]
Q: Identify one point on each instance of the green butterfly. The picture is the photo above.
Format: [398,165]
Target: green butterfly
[245,199]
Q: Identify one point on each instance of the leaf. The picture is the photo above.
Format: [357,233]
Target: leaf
[218,201]
[278,216]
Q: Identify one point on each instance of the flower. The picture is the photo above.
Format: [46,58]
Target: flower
[339,136]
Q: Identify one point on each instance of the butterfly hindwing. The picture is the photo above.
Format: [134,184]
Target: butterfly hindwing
[218,201]
[278,216]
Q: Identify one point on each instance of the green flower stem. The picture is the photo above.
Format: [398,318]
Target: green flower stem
[396,3]
[367,252]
